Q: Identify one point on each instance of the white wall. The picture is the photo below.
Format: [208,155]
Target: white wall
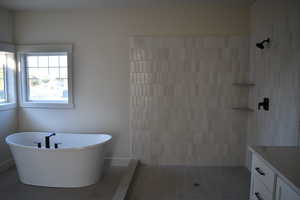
[8,119]
[6,22]
[276,73]
[101,59]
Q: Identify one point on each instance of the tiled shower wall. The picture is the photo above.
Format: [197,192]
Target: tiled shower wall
[276,72]
[182,96]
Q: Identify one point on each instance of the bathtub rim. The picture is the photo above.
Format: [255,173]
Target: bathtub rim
[57,150]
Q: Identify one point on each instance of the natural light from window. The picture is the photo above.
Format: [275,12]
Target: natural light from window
[3,70]
[47,77]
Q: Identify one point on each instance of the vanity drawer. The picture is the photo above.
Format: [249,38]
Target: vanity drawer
[264,173]
[260,191]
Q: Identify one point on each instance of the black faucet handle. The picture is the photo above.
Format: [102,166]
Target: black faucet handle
[39,144]
[56,145]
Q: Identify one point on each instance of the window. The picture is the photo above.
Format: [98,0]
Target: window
[7,77]
[46,76]
[3,84]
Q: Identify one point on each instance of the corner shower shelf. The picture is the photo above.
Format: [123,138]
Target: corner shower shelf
[243,109]
[242,84]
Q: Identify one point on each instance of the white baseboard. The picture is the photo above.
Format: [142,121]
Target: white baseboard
[112,161]
[5,165]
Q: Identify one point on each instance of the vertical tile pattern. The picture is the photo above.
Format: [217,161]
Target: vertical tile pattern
[276,72]
[181,98]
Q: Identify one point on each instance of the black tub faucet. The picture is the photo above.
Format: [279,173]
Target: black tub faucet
[47,140]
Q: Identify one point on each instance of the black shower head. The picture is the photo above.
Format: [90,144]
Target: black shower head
[260,45]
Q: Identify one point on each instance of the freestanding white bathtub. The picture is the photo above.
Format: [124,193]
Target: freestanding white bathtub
[77,162]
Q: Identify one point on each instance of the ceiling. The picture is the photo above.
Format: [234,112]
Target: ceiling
[71,4]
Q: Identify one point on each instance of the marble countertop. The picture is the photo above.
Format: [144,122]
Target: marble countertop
[285,162]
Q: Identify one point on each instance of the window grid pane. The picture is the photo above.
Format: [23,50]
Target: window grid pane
[3,89]
[48,80]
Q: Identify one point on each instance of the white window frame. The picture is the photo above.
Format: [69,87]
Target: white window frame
[10,80]
[23,50]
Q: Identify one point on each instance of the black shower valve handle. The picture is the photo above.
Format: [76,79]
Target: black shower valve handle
[265,104]
[260,104]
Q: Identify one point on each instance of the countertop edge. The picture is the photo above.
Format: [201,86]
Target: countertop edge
[277,172]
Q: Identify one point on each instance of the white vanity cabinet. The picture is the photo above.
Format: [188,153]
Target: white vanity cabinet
[267,183]
[262,181]
[284,191]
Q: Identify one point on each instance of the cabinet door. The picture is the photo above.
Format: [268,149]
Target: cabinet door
[284,192]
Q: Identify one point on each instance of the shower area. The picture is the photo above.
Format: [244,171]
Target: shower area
[188,116]
[189,99]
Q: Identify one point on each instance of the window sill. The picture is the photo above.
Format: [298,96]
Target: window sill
[8,106]
[47,105]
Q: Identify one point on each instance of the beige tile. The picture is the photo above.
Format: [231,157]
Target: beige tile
[276,73]
[187,88]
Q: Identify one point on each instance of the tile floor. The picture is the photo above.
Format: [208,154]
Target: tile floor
[149,183]
[12,189]
[190,183]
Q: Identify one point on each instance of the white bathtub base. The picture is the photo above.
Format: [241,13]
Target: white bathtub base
[68,169]
[61,168]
